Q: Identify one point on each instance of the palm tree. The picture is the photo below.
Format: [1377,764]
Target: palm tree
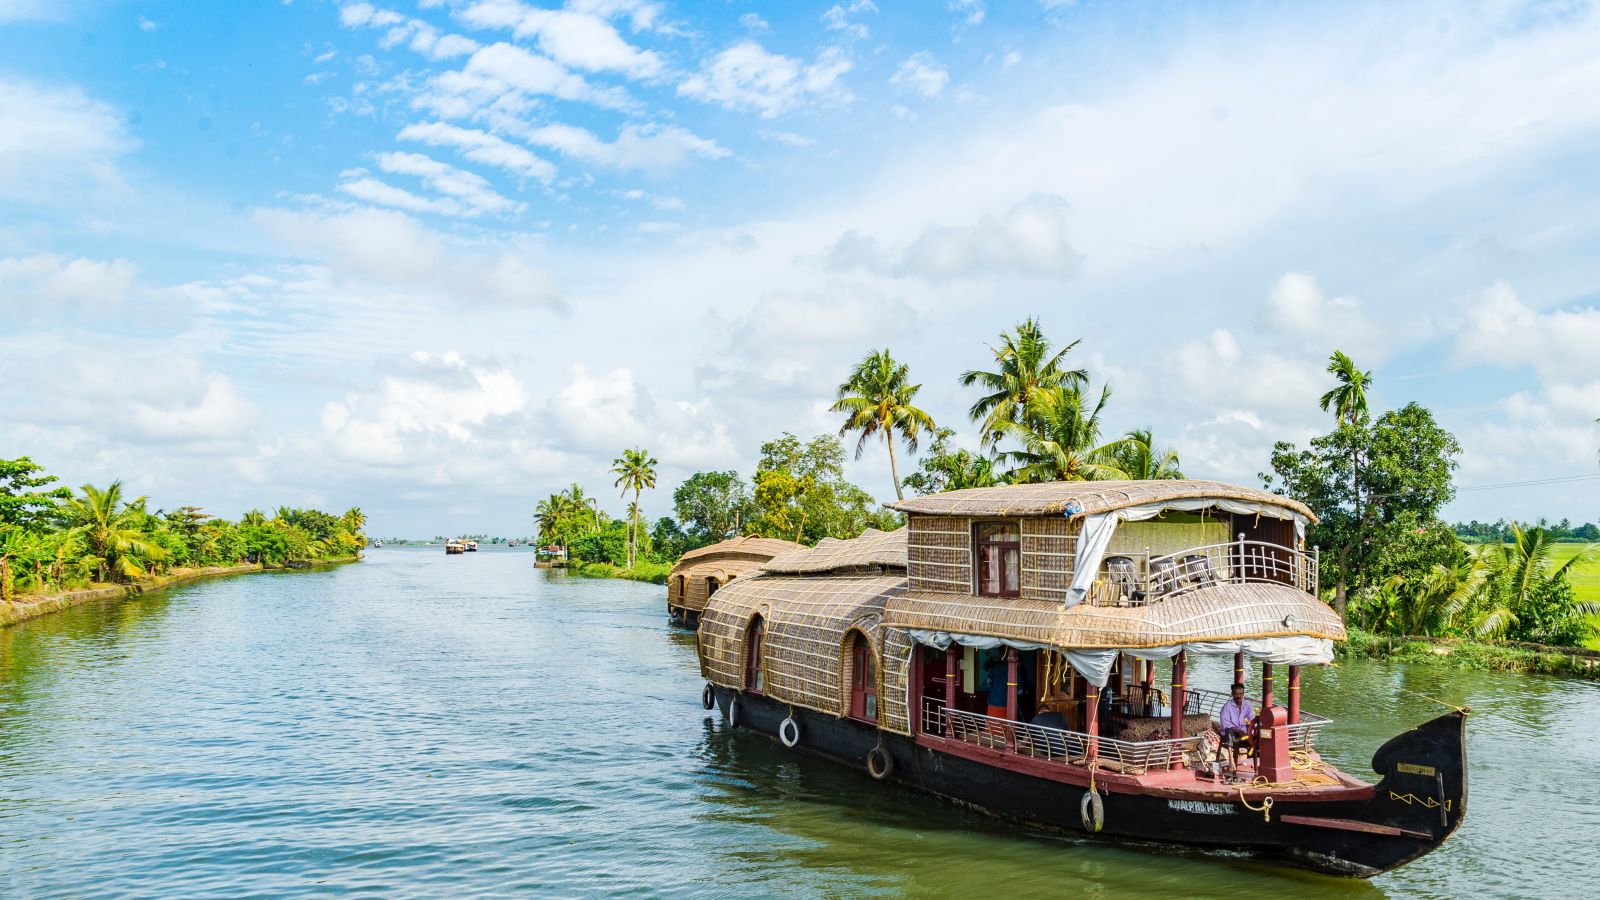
[551,514]
[1348,403]
[253,519]
[1025,370]
[108,529]
[354,519]
[1140,459]
[1062,443]
[877,399]
[1518,568]
[635,471]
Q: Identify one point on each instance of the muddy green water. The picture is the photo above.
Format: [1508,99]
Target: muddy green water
[423,725]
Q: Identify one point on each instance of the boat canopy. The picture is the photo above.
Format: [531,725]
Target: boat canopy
[1271,622]
[807,623]
[1075,499]
[750,545]
[873,549]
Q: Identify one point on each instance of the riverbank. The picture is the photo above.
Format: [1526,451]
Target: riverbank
[1475,656]
[31,607]
[649,572]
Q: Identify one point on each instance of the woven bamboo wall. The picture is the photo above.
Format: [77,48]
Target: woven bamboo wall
[808,620]
[695,587]
[939,554]
[1048,546]
[894,688]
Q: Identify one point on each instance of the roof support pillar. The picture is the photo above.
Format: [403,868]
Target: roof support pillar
[1180,678]
[1266,685]
[1294,695]
[1092,721]
[952,654]
[1011,694]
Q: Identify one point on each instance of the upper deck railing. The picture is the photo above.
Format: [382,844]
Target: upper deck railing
[1139,579]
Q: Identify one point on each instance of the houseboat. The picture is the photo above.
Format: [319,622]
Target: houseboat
[701,572]
[454,546]
[1002,651]
[469,546]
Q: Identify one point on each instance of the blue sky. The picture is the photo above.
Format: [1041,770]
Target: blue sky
[442,258]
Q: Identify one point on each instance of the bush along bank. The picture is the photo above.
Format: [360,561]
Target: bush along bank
[643,570]
[1472,655]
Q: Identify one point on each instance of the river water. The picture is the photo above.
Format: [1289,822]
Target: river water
[424,725]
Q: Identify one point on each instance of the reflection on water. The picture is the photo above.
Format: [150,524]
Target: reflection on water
[431,725]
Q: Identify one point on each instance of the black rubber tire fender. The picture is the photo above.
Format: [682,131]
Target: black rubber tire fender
[1093,812]
[708,697]
[880,763]
[734,713]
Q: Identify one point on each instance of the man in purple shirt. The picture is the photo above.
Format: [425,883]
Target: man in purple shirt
[1237,712]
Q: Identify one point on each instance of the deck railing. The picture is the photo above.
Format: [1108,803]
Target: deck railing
[1072,747]
[1302,734]
[1138,579]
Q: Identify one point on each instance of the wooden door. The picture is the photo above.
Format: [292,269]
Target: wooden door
[752,655]
[863,681]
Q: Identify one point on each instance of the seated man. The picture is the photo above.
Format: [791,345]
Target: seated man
[1237,713]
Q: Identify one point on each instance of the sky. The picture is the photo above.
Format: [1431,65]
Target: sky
[439,259]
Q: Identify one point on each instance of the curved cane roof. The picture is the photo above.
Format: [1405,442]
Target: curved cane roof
[749,545]
[1051,498]
[1223,612]
[873,549]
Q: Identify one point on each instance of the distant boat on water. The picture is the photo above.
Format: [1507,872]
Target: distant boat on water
[470,546]
[453,546]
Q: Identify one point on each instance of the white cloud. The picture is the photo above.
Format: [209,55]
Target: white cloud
[971,11]
[50,286]
[920,73]
[837,18]
[1501,330]
[746,76]
[786,137]
[504,79]
[648,147]
[420,36]
[597,413]
[432,398]
[146,25]
[54,139]
[384,194]
[482,147]
[753,22]
[219,413]
[470,188]
[578,39]
[1030,239]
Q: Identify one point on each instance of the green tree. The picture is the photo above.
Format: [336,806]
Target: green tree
[1139,458]
[635,471]
[1382,517]
[1348,403]
[21,503]
[712,506]
[801,493]
[110,533]
[1062,440]
[877,400]
[1025,371]
[945,468]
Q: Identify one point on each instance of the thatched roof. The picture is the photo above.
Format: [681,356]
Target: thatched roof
[807,622]
[1051,498]
[873,549]
[748,546]
[1223,612]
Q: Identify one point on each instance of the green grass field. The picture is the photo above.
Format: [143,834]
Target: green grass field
[1585,578]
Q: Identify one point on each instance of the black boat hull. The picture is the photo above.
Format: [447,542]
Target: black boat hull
[1419,802]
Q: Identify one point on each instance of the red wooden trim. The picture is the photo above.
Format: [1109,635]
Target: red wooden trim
[1266,685]
[1116,783]
[1294,695]
[1355,825]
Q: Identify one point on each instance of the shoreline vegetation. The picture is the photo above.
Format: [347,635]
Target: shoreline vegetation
[31,606]
[59,547]
[1505,596]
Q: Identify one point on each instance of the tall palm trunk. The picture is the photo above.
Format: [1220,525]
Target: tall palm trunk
[894,470]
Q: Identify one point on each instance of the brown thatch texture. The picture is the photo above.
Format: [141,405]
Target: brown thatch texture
[1049,546]
[749,545]
[1050,499]
[808,621]
[874,549]
[700,572]
[894,688]
[1217,613]
[939,554]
